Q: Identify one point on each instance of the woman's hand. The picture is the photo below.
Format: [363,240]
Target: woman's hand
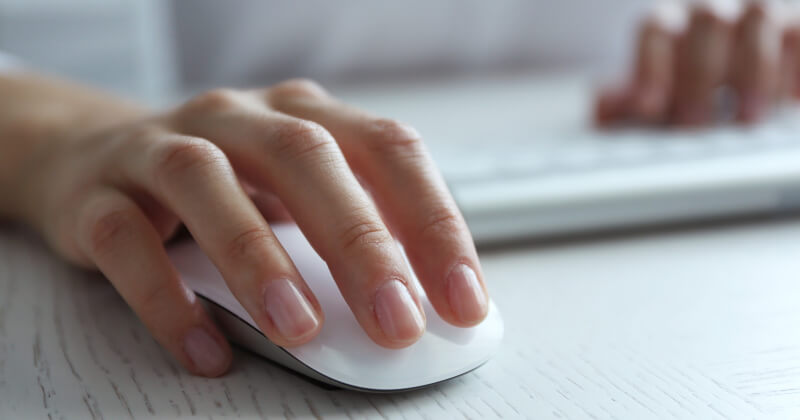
[111,197]
[685,55]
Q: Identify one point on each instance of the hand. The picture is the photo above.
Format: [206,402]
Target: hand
[110,198]
[684,56]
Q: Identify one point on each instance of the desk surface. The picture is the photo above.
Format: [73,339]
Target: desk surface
[697,323]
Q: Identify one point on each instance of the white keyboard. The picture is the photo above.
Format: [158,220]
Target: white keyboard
[619,149]
[522,160]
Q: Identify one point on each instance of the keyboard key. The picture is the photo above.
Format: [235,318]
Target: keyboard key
[468,168]
[577,158]
[526,163]
[629,152]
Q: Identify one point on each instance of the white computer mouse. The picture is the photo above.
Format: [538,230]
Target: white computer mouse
[342,354]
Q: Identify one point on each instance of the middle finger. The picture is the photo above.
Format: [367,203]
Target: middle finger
[300,162]
[412,194]
[702,58]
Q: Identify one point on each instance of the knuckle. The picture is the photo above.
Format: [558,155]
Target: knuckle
[393,139]
[141,135]
[214,101]
[363,233]
[179,156]
[249,243]
[444,221]
[299,138]
[294,88]
[109,228]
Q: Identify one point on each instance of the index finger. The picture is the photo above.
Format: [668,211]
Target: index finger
[300,162]
[193,178]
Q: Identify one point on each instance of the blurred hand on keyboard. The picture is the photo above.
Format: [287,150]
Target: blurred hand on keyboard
[688,57]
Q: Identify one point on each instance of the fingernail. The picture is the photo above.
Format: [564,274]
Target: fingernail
[397,312]
[467,298]
[206,354]
[290,311]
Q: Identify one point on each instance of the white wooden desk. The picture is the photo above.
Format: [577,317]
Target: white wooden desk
[693,324]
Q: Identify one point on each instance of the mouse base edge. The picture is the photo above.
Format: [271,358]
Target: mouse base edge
[248,338]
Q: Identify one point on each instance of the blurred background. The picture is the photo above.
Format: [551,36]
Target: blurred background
[148,47]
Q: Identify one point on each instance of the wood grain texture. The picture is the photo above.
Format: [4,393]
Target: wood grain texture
[697,324]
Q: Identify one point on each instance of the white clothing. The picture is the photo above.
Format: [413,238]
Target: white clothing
[147,47]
